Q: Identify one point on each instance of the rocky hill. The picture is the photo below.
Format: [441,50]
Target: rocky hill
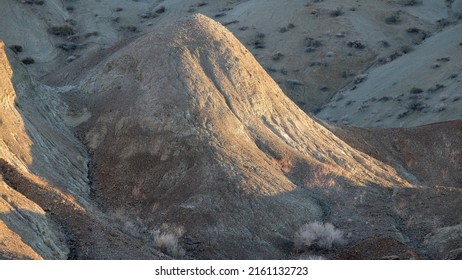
[178,143]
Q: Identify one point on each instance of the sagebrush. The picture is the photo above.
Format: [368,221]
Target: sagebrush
[317,235]
[168,243]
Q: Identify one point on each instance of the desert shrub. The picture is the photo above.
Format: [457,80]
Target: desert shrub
[356,44]
[406,49]
[413,30]
[318,235]
[415,106]
[258,41]
[439,108]
[16,48]
[277,56]
[61,30]
[310,42]
[312,258]
[28,60]
[385,44]
[436,88]
[160,10]
[393,19]
[130,28]
[409,2]
[416,90]
[336,13]
[167,243]
[444,59]
[36,2]
[360,78]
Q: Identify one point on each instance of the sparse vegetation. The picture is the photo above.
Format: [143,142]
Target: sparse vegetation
[230,22]
[258,41]
[415,106]
[409,2]
[312,44]
[444,59]
[28,60]
[167,243]
[416,90]
[130,28]
[277,56]
[69,46]
[406,49]
[436,88]
[413,30]
[360,78]
[287,28]
[219,15]
[439,108]
[385,44]
[393,19]
[436,65]
[36,2]
[317,235]
[16,48]
[337,12]
[356,44]
[61,30]
[160,10]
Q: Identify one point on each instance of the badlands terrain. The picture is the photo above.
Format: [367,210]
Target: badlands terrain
[253,129]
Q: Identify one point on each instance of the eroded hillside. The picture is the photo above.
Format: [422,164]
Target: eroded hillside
[177,142]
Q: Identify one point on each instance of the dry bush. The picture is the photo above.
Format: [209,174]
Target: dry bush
[337,12]
[409,2]
[167,243]
[312,258]
[318,235]
[61,30]
[28,60]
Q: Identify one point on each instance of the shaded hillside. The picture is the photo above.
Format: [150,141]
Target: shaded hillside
[45,210]
[432,153]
